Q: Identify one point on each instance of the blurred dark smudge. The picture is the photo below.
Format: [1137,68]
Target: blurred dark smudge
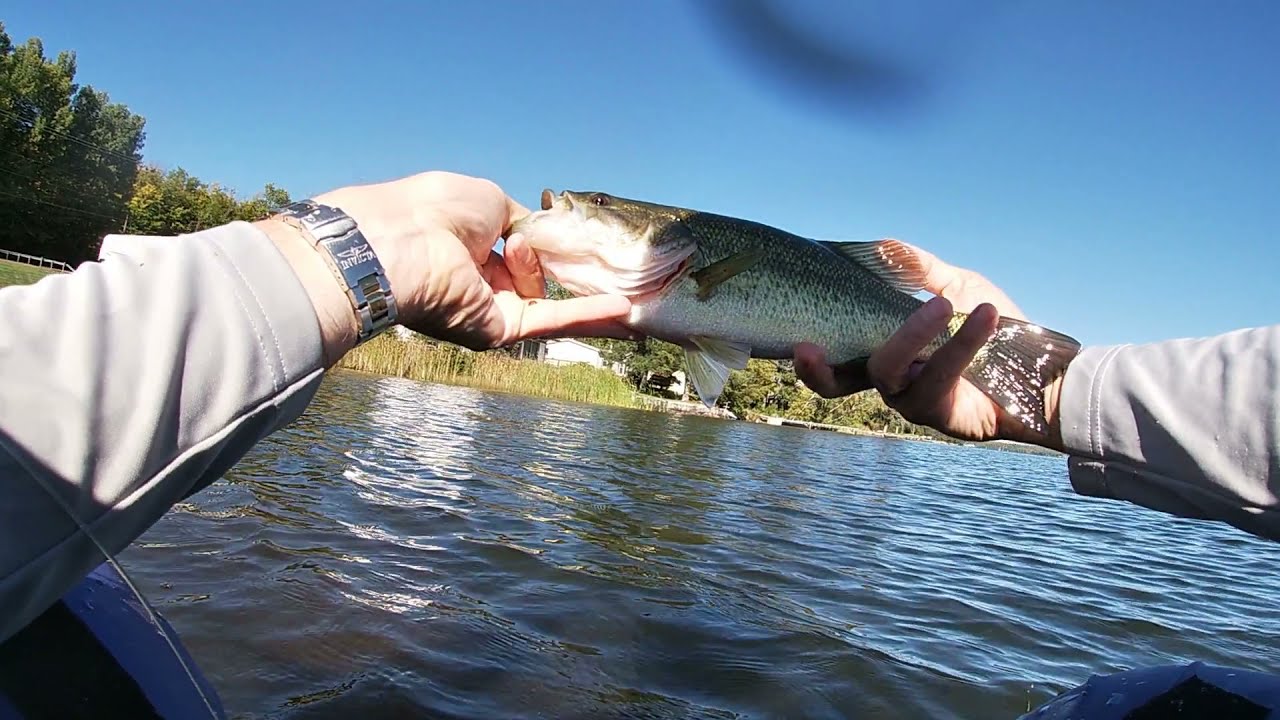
[849,76]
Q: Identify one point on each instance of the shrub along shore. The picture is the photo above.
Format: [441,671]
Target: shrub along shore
[424,360]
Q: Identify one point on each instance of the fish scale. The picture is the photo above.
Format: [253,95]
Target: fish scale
[728,289]
[800,292]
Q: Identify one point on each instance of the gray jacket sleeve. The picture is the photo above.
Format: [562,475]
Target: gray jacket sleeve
[1188,427]
[131,383]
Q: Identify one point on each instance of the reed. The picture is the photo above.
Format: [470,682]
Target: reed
[452,365]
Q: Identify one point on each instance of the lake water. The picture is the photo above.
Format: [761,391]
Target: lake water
[412,550]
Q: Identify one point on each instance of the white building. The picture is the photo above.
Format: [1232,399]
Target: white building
[561,351]
[677,387]
[567,350]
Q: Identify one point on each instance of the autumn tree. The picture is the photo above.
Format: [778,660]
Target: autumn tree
[175,202]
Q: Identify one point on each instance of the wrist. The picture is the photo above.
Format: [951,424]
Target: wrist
[1052,405]
[391,234]
[1011,429]
[336,319]
[410,244]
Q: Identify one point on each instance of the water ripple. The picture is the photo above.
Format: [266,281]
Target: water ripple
[407,549]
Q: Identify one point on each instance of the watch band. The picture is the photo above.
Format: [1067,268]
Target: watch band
[352,260]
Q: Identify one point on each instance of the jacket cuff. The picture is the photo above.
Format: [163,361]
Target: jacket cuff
[1080,402]
[282,306]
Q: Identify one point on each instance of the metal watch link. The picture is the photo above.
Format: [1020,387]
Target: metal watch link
[352,260]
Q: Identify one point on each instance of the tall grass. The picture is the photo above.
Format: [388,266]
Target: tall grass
[452,365]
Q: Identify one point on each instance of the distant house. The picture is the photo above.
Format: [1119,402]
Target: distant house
[561,351]
[678,387]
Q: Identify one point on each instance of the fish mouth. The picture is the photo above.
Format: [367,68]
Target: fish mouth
[550,200]
[597,262]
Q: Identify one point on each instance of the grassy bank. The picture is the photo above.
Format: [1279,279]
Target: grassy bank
[12,273]
[443,363]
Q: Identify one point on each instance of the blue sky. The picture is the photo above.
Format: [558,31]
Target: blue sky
[1113,166]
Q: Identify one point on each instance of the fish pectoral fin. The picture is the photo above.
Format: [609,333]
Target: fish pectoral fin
[893,261]
[709,363]
[711,276]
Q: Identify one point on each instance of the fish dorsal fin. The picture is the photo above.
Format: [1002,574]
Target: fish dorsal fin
[709,363]
[709,277]
[893,261]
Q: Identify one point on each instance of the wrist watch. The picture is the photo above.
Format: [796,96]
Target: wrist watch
[352,260]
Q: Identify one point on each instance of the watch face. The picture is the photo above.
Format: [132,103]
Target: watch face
[299,208]
[323,221]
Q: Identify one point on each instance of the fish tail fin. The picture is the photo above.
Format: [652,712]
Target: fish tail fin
[1017,364]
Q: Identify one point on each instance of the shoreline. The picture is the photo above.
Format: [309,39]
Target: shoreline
[495,372]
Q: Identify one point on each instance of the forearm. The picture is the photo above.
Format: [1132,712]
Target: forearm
[1188,427]
[135,381]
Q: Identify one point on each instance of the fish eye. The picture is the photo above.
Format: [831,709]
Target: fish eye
[600,199]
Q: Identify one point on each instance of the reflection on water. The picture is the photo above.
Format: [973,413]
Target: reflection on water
[409,550]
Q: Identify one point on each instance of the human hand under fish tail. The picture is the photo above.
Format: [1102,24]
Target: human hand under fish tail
[726,289]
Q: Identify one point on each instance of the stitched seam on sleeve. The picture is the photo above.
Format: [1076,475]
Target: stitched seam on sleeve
[1095,402]
[275,339]
[276,381]
[42,480]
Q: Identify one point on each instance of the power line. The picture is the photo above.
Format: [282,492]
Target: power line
[36,178]
[15,173]
[61,207]
[30,124]
[10,171]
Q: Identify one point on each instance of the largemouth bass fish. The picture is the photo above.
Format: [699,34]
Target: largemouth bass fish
[727,289]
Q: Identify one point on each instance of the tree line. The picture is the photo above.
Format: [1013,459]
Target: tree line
[71,168]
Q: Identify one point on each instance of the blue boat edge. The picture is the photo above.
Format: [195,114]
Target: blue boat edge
[125,663]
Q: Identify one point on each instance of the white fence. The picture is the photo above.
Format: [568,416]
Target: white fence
[36,260]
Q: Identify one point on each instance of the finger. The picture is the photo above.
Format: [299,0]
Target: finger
[495,273]
[543,317]
[965,288]
[938,275]
[811,367]
[889,367]
[942,371]
[526,272]
[515,211]
[597,329]
[826,380]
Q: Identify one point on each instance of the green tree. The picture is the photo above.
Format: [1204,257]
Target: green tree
[764,387]
[262,205]
[175,202]
[68,155]
[650,365]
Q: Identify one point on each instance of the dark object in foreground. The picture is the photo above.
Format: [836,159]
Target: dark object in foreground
[1189,691]
[96,653]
